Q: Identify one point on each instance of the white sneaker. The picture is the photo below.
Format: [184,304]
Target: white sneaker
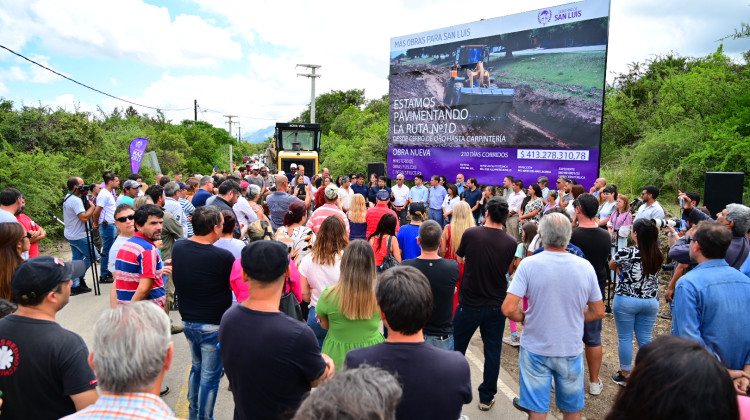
[512,340]
[596,388]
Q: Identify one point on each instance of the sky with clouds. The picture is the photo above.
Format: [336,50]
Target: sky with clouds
[238,57]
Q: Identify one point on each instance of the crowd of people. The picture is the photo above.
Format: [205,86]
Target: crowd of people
[372,294]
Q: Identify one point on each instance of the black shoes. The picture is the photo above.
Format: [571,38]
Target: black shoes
[619,378]
[107,279]
[518,406]
[79,290]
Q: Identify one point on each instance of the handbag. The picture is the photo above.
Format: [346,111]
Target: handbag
[389,260]
[289,303]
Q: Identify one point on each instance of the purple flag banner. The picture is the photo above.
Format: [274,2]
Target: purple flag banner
[137,148]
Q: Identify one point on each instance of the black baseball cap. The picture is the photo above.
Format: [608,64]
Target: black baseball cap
[265,260]
[39,276]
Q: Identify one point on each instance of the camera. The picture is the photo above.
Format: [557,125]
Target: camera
[660,223]
[84,188]
[635,203]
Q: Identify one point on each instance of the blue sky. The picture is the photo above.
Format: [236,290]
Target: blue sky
[239,57]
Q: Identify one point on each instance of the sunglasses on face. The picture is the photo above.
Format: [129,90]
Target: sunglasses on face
[124,219]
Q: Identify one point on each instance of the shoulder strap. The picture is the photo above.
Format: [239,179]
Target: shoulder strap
[390,238]
[742,251]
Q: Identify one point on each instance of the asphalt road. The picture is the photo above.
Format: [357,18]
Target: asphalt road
[83,310]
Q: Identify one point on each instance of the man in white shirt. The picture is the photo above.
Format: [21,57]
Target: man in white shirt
[172,205]
[650,209]
[400,194]
[514,205]
[245,213]
[345,194]
[104,219]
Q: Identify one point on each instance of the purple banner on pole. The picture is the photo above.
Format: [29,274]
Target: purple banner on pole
[137,148]
[490,165]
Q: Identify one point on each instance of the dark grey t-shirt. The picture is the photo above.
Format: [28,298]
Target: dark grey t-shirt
[488,253]
[41,366]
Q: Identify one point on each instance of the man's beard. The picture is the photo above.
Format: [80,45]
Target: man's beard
[155,236]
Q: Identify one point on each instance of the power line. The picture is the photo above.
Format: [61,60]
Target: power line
[241,116]
[87,86]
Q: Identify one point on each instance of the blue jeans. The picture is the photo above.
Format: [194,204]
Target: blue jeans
[319,331]
[437,215]
[80,248]
[536,374]
[491,323]
[205,373]
[108,235]
[445,344]
[633,314]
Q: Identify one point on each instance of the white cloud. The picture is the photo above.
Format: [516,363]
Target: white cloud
[3,88]
[114,81]
[126,29]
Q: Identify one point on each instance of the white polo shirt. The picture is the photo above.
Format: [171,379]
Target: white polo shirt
[400,195]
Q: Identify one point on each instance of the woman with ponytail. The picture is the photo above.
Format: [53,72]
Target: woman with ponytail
[636,301]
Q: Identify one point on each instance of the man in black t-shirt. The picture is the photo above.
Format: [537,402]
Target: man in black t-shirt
[271,360]
[44,370]
[443,276]
[595,243]
[436,383]
[487,252]
[201,272]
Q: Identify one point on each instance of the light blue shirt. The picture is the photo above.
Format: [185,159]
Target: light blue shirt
[654,211]
[460,188]
[710,307]
[419,194]
[545,192]
[437,196]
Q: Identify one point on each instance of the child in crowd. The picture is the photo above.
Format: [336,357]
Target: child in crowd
[528,231]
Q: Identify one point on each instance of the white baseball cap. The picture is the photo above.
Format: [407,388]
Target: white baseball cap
[293,165]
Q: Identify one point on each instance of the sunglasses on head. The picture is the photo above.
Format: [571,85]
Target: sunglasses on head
[124,219]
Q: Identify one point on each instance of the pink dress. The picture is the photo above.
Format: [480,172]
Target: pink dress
[239,286]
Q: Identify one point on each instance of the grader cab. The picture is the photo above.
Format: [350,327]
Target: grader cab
[470,84]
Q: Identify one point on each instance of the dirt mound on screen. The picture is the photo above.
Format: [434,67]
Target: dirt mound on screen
[539,118]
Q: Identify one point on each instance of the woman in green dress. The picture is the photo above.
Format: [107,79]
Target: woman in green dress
[349,310]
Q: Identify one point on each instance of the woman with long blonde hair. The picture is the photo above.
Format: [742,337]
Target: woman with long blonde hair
[13,243]
[452,234]
[321,268]
[357,218]
[349,310]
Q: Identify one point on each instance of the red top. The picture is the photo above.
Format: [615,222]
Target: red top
[29,226]
[381,252]
[375,213]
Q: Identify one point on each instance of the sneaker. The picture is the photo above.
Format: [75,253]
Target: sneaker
[463,417]
[107,279]
[513,341]
[619,378]
[665,315]
[518,406]
[79,290]
[485,406]
[596,388]
[176,329]
[164,391]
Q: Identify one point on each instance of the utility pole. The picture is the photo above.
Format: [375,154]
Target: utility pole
[312,75]
[239,133]
[195,109]
[230,122]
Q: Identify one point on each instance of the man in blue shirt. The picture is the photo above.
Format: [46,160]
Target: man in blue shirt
[460,184]
[472,195]
[436,197]
[419,192]
[359,186]
[205,191]
[710,302]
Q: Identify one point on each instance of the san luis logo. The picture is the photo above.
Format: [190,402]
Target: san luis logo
[544,16]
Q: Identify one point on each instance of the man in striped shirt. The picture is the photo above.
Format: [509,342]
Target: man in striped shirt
[139,269]
[328,209]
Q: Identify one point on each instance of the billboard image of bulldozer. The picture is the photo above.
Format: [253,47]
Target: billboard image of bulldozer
[471,86]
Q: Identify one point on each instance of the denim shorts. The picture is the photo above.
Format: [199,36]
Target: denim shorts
[536,374]
[592,333]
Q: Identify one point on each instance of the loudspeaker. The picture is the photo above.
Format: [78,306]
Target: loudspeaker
[722,188]
[375,168]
